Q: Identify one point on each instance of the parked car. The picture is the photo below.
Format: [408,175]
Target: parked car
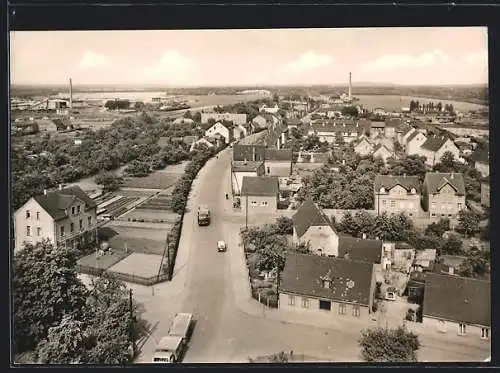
[221,246]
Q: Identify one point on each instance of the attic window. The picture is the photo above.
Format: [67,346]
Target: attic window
[382,190]
[413,191]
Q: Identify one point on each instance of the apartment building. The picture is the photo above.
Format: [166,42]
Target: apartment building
[66,217]
[397,194]
[443,194]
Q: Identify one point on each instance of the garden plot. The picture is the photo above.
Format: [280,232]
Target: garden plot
[157,180]
[139,264]
[141,214]
[139,239]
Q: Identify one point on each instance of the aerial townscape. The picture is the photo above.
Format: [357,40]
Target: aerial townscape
[281,221]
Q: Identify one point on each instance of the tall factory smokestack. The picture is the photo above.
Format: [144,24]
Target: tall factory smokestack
[70,94]
[350,86]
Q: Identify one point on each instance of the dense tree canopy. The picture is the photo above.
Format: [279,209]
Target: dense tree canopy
[389,345]
[64,322]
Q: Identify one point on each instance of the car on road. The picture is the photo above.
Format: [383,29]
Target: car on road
[221,246]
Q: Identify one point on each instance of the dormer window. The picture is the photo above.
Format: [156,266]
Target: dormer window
[413,191]
[73,210]
[78,209]
[382,190]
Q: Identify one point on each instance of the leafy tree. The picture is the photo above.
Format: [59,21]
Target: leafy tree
[65,344]
[138,168]
[452,245]
[423,242]
[468,222]
[109,181]
[476,265]
[438,228]
[197,117]
[412,165]
[350,111]
[45,287]
[446,163]
[139,105]
[389,345]
[283,225]
[280,358]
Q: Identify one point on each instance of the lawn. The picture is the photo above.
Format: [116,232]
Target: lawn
[102,262]
[139,264]
[135,239]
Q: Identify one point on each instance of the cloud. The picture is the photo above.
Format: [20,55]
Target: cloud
[310,61]
[476,58]
[172,67]
[91,59]
[396,61]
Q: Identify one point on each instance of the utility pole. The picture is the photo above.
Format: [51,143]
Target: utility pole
[131,325]
[246,212]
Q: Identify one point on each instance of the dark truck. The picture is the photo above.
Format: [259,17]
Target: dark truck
[203,215]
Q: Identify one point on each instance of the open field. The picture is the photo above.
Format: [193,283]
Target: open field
[393,102]
[139,264]
[159,203]
[103,262]
[200,101]
[138,239]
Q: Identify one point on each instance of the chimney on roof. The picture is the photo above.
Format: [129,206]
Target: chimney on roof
[45,192]
[451,177]
[60,186]
[364,236]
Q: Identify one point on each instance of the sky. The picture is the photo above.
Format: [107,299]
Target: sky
[415,56]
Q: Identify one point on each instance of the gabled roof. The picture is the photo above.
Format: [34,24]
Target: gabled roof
[243,152]
[278,155]
[364,139]
[434,143]
[413,135]
[55,202]
[360,249]
[407,129]
[350,281]
[382,147]
[242,166]
[435,181]
[458,299]
[260,186]
[389,181]
[293,122]
[309,215]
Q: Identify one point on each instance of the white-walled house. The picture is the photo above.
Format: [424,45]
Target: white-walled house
[434,148]
[414,142]
[222,130]
[65,217]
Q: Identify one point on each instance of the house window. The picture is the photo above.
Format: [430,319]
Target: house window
[461,329]
[89,220]
[291,300]
[73,210]
[459,206]
[62,231]
[28,231]
[28,214]
[37,216]
[39,231]
[342,309]
[393,203]
[268,170]
[325,305]
[254,203]
[384,202]
[78,209]
[81,224]
[485,333]
[72,227]
[263,203]
[305,303]
[356,311]
[433,205]
[433,214]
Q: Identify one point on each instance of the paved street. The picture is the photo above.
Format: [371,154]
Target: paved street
[230,326]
